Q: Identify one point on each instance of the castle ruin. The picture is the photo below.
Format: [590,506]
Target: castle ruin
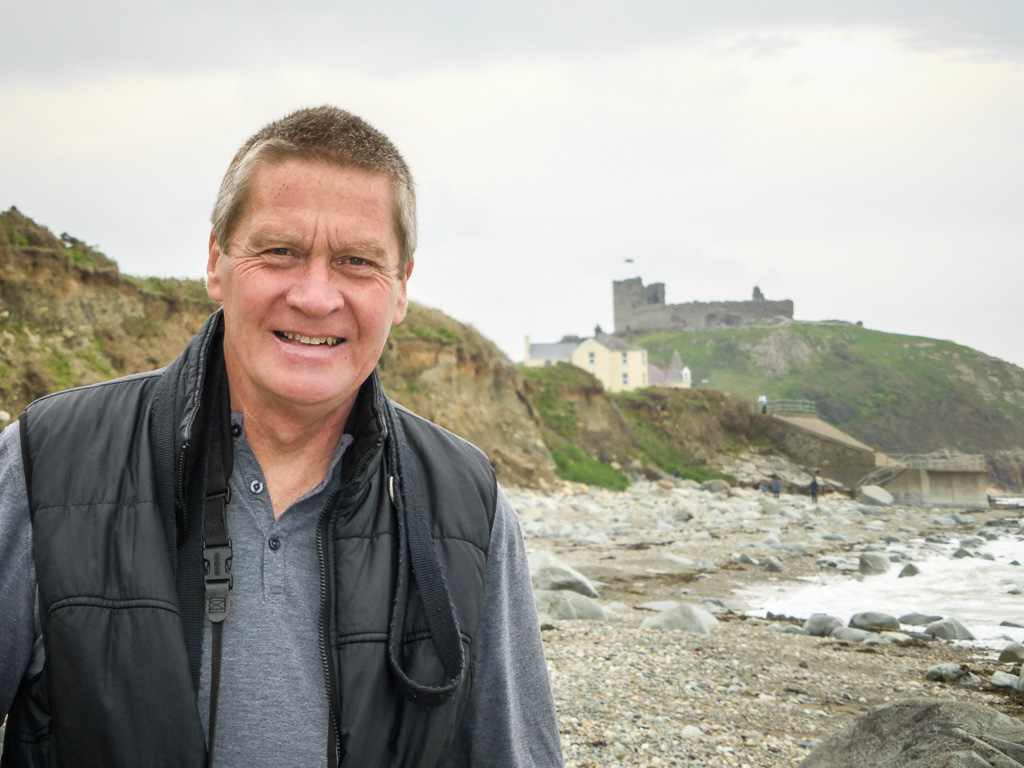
[642,309]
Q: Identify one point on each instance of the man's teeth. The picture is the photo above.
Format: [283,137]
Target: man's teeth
[313,340]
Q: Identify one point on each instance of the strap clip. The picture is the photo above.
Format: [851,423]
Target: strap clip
[218,581]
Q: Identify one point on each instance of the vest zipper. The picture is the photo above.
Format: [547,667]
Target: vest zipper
[333,756]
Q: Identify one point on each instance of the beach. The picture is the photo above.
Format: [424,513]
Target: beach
[753,691]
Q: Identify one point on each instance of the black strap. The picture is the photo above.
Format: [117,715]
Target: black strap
[416,548]
[217,551]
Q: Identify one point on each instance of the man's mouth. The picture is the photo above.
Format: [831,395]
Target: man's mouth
[313,341]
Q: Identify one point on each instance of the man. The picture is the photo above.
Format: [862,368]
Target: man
[253,557]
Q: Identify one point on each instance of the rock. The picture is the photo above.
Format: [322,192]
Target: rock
[909,570]
[873,621]
[549,573]
[923,733]
[689,618]
[850,634]
[666,484]
[704,564]
[821,624]
[1008,623]
[1013,653]
[873,563]
[874,496]
[565,604]
[948,673]
[774,565]
[715,486]
[962,553]
[948,629]
[897,638]
[744,558]
[919,619]
[1004,680]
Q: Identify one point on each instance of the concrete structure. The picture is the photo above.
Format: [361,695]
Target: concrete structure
[818,445]
[936,480]
[620,367]
[642,309]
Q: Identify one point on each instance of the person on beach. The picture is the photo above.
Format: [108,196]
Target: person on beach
[254,557]
[776,486]
[814,489]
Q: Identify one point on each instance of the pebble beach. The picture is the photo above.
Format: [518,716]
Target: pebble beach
[747,690]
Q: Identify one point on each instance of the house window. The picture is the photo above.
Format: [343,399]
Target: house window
[625,379]
[590,358]
[624,358]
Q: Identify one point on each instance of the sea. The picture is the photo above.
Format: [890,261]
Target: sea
[980,593]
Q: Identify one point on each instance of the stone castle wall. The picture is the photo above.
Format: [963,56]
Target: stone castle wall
[642,309]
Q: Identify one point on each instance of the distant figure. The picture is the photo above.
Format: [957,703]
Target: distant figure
[687,377]
[814,489]
[763,402]
[678,475]
[776,487]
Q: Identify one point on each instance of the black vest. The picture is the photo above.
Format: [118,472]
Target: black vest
[116,474]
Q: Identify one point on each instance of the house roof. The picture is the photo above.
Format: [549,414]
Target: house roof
[615,343]
[558,351]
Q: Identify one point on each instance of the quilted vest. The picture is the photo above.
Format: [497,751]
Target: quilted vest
[116,502]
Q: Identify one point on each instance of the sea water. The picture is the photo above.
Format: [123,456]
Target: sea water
[972,590]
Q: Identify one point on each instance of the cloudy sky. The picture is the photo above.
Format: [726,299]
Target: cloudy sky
[862,158]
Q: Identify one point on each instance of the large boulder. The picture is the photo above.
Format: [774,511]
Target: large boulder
[875,496]
[924,733]
[562,604]
[549,573]
[873,563]
[873,621]
[689,618]
[821,624]
[948,629]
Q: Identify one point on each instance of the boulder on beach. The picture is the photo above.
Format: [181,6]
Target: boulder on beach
[564,604]
[715,486]
[1013,654]
[873,563]
[873,621]
[549,573]
[948,629]
[821,624]
[924,733]
[874,496]
[689,618]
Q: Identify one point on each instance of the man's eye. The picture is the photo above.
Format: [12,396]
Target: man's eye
[357,261]
[281,251]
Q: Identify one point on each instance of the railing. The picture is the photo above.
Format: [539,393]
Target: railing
[793,406]
[939,462]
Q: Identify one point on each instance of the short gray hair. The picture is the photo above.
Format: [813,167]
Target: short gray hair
[325,134]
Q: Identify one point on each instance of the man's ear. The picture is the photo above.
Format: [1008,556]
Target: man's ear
[403,295]
[213,286]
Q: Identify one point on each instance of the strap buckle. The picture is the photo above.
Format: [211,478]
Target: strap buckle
[218,581]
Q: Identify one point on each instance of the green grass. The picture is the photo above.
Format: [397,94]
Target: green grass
[897,393]
[573,465]
[61,370]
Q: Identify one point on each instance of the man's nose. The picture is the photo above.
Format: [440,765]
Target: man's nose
[315,291]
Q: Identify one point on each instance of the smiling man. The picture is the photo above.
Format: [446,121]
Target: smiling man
[253,556]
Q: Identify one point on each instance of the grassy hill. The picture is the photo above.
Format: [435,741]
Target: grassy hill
[900,394]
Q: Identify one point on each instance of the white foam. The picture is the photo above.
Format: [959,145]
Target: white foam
[972,590]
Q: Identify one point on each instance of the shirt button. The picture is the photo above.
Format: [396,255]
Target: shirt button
[274,543]
[256,486]
[236,430]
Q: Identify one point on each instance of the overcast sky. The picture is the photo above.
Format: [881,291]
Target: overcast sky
[864,159]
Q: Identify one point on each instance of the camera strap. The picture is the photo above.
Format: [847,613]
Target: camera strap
[217,551]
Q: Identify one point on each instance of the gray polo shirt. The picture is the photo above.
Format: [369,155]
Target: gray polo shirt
[272,708]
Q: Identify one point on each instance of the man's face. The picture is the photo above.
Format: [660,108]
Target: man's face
[310,286]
